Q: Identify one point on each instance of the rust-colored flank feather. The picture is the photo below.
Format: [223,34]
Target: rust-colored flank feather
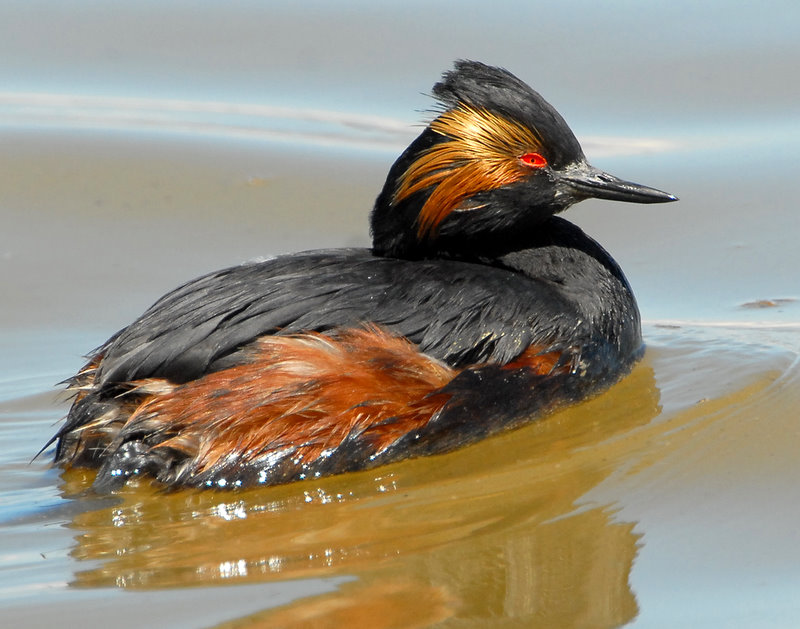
[296,397]
[538,360]
[481,153]
[302,396]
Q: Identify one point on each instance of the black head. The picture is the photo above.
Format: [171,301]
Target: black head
[495,162]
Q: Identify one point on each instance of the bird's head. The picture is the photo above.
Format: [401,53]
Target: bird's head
[494,163]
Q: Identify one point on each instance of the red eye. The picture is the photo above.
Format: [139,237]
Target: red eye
[533,160]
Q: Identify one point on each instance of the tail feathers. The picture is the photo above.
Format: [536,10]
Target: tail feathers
[92,423]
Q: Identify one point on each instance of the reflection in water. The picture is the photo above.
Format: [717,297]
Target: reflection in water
[571,572]
[497,523]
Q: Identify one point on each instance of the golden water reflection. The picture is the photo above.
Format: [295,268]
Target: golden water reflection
[489,531]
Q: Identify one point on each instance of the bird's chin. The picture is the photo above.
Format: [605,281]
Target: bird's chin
[564,199]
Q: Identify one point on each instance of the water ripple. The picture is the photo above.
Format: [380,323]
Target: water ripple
[253,121]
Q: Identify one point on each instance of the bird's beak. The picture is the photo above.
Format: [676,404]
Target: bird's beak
[588,181]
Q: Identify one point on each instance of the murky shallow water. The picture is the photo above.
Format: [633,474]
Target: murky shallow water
[671,500]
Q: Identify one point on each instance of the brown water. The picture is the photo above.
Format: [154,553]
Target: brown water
[141,148]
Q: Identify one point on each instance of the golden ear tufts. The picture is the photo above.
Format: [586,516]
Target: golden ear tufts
[480,153]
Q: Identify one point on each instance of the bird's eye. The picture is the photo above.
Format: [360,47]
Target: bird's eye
[533,160]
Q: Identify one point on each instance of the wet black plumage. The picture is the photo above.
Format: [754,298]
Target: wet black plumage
[473,278]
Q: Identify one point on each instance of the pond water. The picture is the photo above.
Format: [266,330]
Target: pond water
[143,145]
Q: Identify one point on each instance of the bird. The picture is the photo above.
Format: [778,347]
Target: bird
[475,311]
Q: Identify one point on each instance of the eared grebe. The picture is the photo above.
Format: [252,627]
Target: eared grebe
[476,310]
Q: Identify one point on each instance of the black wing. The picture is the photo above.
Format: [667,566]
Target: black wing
[458,312]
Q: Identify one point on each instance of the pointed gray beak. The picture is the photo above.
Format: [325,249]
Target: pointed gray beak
[588,181]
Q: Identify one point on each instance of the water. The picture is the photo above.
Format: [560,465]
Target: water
[144,145]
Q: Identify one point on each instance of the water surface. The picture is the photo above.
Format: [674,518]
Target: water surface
[143,145]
